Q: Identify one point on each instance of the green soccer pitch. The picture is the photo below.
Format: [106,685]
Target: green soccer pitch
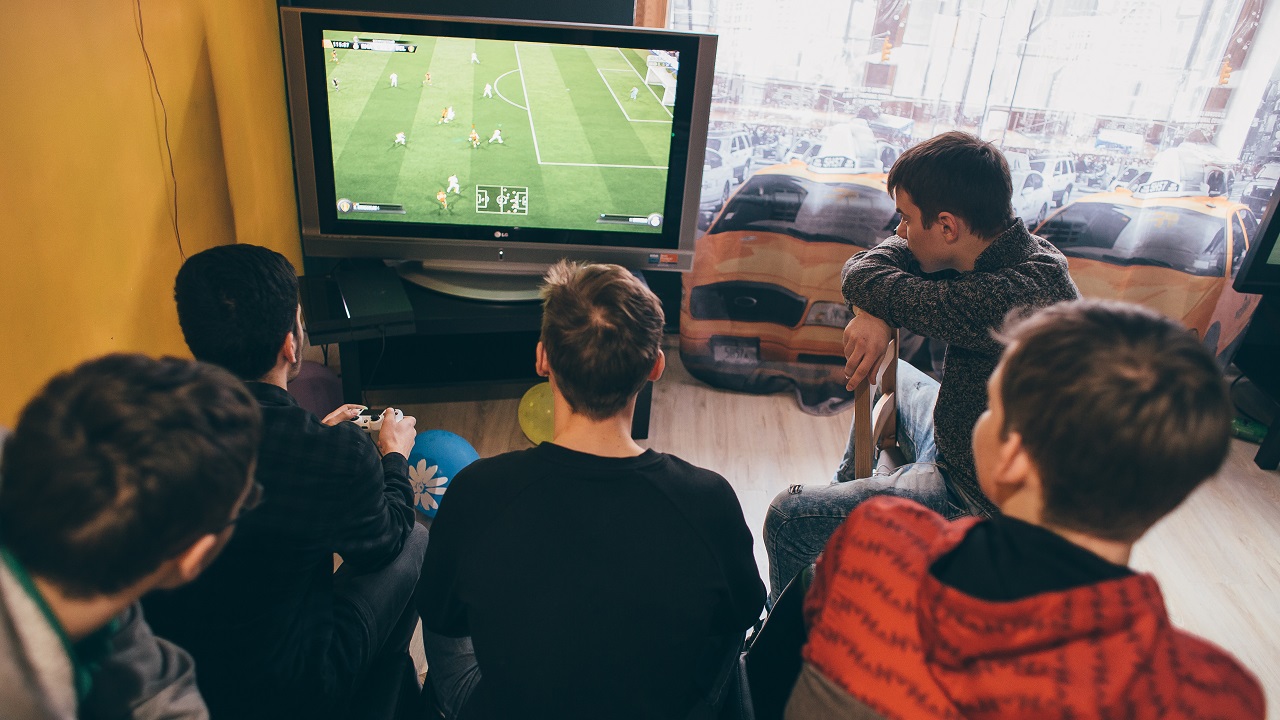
[571,134]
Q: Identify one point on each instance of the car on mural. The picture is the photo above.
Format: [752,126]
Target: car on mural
[1130,177]
[850,145]
[1171,251]
[1060,173]
[734,146]
[1258,192]
[1032,196]
[717,181]
[762,308]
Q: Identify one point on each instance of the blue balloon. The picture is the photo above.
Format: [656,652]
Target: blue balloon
[436,457]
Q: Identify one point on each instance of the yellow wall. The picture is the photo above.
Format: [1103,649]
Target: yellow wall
[87,247]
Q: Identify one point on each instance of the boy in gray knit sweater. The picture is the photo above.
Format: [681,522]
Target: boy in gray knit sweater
[960,261]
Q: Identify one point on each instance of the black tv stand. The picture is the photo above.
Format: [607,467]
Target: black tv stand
[461,347]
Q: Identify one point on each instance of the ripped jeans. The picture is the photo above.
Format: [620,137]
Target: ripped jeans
[802,518]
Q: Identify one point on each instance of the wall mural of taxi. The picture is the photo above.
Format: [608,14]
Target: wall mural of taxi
[1172,249]
[762,309]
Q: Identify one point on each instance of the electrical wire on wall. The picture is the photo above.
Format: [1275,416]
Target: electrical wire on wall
[173,216]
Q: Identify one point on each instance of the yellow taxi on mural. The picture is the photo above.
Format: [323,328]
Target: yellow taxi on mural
[1155,246]
[762,308]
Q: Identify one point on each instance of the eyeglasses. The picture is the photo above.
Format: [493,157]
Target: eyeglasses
[252,499]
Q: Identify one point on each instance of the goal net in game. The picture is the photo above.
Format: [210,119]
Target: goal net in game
[662,69]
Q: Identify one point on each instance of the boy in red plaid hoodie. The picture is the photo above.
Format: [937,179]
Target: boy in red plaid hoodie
[1102,418]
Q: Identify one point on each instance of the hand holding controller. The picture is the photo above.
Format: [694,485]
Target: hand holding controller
[396,432]
[372,424]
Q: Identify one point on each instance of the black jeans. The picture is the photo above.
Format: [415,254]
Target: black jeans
[373,614]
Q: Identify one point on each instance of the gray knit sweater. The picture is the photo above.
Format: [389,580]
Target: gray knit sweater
[1018,269]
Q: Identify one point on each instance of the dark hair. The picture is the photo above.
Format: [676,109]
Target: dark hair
[122,463]
[1123,411]
[236,305]
[602,332]
[956,172]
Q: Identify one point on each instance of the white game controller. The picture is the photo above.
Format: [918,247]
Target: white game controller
[372,424]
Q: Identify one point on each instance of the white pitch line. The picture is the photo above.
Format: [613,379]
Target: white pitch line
[625,114]
[633,167]
[609,87]
[532,131]
[642,82]
[504,97]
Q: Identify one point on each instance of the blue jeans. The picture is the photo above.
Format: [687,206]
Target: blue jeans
[452,670]
[803,517]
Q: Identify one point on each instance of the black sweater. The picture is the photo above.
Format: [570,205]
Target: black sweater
[1016,270]
[592,587]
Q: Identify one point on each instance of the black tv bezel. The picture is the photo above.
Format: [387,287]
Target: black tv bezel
[325,233]
[1256,275]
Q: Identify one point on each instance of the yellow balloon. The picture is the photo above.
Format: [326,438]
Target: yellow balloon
[537,414]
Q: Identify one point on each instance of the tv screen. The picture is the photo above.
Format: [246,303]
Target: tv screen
[494,145]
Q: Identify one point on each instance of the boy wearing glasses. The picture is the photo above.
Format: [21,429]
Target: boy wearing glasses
[124,475]
[275,631]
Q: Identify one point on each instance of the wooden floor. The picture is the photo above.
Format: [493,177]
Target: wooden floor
[1217,557]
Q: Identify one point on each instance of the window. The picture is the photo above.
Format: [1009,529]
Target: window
[841,212]
[1161,236]
[1239,243]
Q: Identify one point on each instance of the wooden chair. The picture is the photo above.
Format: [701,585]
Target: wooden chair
[875,425]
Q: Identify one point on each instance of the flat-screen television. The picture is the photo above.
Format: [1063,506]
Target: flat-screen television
[479,149]
[1260,272]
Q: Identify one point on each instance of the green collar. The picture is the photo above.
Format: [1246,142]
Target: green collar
[87,655]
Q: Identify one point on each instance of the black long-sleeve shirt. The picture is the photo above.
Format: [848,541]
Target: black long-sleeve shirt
[1016,270]
[592,587]
[259,621]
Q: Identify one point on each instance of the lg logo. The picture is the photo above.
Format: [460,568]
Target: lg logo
[500,234]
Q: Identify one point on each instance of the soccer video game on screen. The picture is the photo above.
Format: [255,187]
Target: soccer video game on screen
[462,131]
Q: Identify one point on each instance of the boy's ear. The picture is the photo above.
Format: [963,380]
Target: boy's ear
[540,362]
[290,350]
[659,366]
[1014,474]
[187,565]
[951,226]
